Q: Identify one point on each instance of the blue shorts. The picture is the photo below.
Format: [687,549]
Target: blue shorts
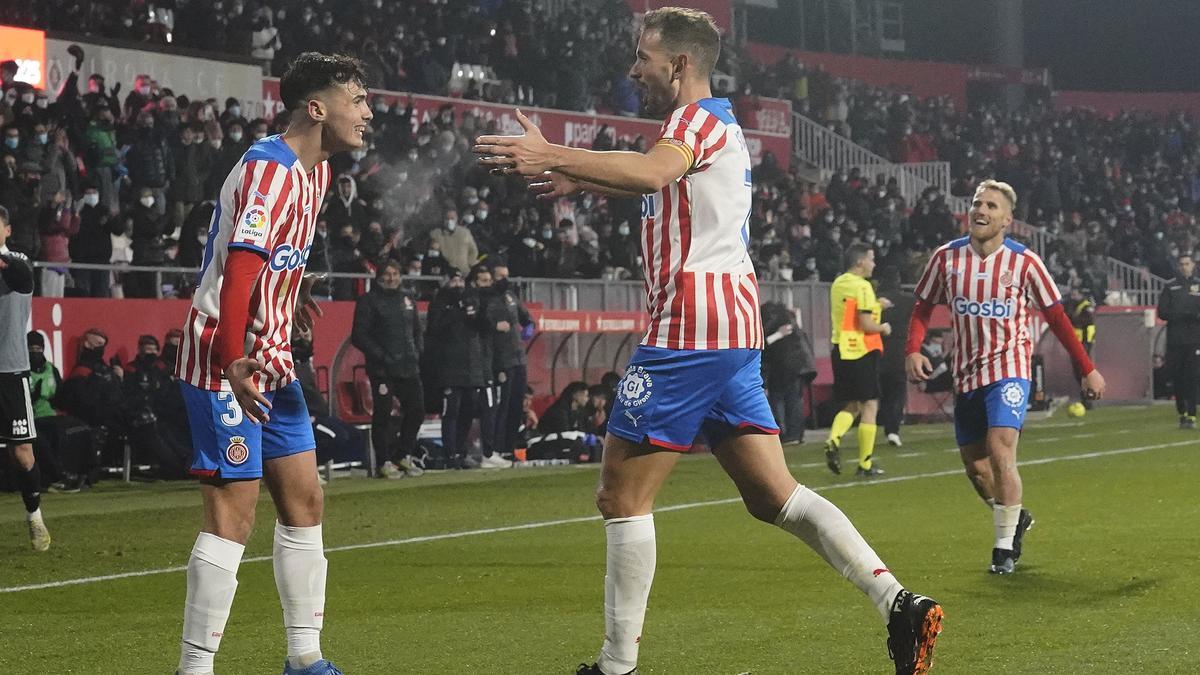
[227,444]
[999,404]
[670,396]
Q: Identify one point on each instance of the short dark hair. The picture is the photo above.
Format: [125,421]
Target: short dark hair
[687,31]
[3,216]
[313,71]
[854,254]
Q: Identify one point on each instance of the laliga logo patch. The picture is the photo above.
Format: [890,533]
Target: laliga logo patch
[1013,395]
[237,452]
[254,221]
[634,389]
[1006,278]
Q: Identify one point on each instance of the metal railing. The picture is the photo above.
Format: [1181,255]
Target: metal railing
[1132,286]
[830,151]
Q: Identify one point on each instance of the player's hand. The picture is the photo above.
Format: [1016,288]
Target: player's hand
[1093,385]
[918,367]
[552,185]
[240,374]
[307,309]
[503,326]
[886,304]
[529,154]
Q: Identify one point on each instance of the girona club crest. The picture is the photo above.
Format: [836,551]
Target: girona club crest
[635,387]
[237,452]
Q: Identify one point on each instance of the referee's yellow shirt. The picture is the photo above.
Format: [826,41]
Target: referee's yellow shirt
[849,295]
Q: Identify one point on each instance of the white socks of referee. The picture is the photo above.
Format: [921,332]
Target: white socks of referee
[821,525]
[211,583]
[628,575]
[1004,520]
[300,567]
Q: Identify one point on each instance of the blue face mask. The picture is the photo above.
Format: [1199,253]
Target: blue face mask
[12,142]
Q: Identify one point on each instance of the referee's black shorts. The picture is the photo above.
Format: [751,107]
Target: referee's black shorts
[16,410]
[855,379]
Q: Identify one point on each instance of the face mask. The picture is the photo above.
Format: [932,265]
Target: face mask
[235,136]
[144,90]
[234,110]
[147,201]
[472,200]
[357,155]
[259,135]
[27,98]
[934,349]
[92,355]
[547,233]
[451,224]
[811,265]
[42,103]
[434,253]
[482,215]
[91,199]
[12,142]
[468,219]
[37,360]
[623,230]
[587,203]
[412,155]
[216,143]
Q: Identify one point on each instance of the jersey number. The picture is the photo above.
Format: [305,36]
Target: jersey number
[233,417]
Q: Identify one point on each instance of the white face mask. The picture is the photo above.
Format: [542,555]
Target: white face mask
[147,201]
[623,230]
[482,215]
[236,136]
[42,103]
[91,199]
[468,219]
[450,225]
[234,110]
[27,98]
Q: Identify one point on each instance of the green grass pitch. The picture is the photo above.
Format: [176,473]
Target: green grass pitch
[502,571]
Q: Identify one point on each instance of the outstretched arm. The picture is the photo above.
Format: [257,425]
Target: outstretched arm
[553,184]
[530,155]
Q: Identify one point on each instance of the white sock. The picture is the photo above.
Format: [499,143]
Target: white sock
[830,533]
[34,515]
[1004,519]
[211,584]
[630,571]
[300,566]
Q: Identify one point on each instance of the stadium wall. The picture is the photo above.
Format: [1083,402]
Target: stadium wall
[1115,102]
[198,77]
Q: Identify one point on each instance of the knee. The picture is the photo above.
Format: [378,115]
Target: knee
[616,504]
[764,509]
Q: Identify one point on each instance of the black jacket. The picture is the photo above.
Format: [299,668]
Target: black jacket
[456,330]
[93,243]
[150,161]
[1179,306]
[502,304]
[388,332]
[893,345]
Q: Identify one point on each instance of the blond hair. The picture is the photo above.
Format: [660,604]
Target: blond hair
[687,31]
[1003,188]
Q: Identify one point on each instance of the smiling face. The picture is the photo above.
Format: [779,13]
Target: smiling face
[344,115]
[655,72]
[990,214]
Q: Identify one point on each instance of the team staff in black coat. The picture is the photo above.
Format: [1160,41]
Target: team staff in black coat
[456,330]
[1179,306]
[893,382]
[388,332]
[509,318]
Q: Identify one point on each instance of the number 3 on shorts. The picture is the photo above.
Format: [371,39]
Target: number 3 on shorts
[234,416]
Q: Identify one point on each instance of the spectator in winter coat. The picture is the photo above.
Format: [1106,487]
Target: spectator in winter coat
[100,155]
[194,161]
[456,243]
[57,224]
[93,244]
[147,234]
[345,207]
[150,161]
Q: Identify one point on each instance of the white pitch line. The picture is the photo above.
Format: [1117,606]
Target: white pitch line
[583,519]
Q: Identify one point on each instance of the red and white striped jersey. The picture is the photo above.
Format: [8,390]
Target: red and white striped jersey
[269,205]
[700,286]
[989,300]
